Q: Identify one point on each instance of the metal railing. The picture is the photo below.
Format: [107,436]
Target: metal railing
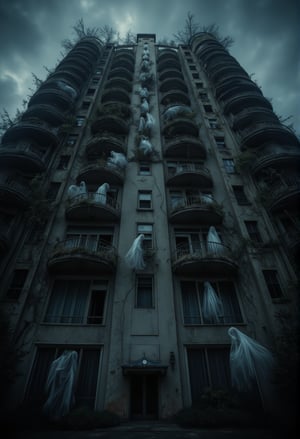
[202,250]
[85,245]
[182,168]
[94,199]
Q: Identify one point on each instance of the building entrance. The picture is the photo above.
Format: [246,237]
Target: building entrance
[144,396]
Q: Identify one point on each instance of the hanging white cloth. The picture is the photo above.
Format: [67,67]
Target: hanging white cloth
[144,93]
[149,122]
[176,110]
[144,106]
[135,255]
[117,159]
[73,191]
[60,385]
[145,66]
[145,146]
[251,364]
[212,307]
[82,190]
[142,123]
[67,88]
[214,243]
[101,193]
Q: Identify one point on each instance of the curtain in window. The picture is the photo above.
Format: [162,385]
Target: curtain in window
[191,313]
[68,301]
[37,393]
[232,312]
[218,361]
[212,308]
[198,373]
[214,243]
[87,379]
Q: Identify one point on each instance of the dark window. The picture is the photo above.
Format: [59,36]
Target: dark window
[90,91]
[96,310]
[229,166]
[208,108]
[208,368]
[85,105]
[17,283]
[193,303]
[80,121]
[72,139]
[63,162]
[195,75]
[219,140]
[240,195]
[199,84]
[189,59]
[144,169]
[272,282]
[53,191]
[192,67]
[144,292]
[203,97]
[87,373]
[253,231]
[145,200]
[147,231]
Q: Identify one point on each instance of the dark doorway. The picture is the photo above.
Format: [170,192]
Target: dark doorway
[144,396]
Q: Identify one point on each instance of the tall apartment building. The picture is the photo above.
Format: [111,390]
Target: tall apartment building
[176,151]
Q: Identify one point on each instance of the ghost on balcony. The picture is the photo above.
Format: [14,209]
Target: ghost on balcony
[175,111]
[117,160]
[60,385]
[206,198]
[212,307]
[251,366]
[145,66]
[214,243]
[146,57]
[101,193]
[144,106]
[149,122]
[142,124]
[67,88]
[82,190]
[145,76]
[73,191]
[145,146]
[135,255]
[143,92]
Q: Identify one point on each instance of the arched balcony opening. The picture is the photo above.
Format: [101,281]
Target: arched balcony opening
[180,126]
[124,54]
[227,71]
[183,174]
[167,53]
[123,62]
[26,156]
[119,83]
[82,55]
[55,93]
[273,156]
[115,95]
[100,172]
[260,133]
[170,73]
[174,97]
[238,103]
[237,88]
[101,145]
[184,147]
[253,115]
[45,112]
[215,57]
[172,84]
[34,129]
[93,207]
[72,78]
[120,72]
[74,66]
[195,209]
[167,64]
[110,124]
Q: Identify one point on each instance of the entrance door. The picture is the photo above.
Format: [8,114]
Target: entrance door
[144,396]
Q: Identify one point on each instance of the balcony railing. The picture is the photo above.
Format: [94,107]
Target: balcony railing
[93,206]
[22,154]
[184,146]
[199,209]
[189,174]
[98,173]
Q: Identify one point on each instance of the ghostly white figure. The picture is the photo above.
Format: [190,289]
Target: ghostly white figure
[144,93]
[175,110]
[149,122]
[60,385]
[206,198]
[145,66]
[145,76]
[117,159]
[144,106]
[214,243]
[73,191]
[145,57]
[142,124]
[212,306]
[135,255]
[67,88]
[145,146]
[82,190]
[251,364]
[101,193]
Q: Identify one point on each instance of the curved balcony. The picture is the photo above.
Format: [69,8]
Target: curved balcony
[14,191]
[215,57]
[284,195]
[127,53]
[74,66]
[99,146]
[116,95]
[121,83]
[120,72]
[167,64]
[123,62]
[209,258]
[175,97]
[167,53]
[230,74]
[184,147]
[276,158]
[189,174]
[244,100]
[237,87]
[93,206]
[72,256]
[257,134]
[26,155]
[232,82]
[72,78]
[231,66]
[50,93]
[196,210]
[204,42]
[292,242]
[34,129]
[172,84]
[45,112]
[170,73]
[99,173]
[5,237]
[181,126]
[110,123]
[129,57]
[90,44]
[81,54]
[253,115]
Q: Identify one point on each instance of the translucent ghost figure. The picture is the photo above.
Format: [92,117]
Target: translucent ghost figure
[149,122]
[145,66]
[142,124]
[214,243]
[145,146]
[212,306]
[73,191]
[175,110]
[144,93]
[144,106]
[135,256]
[82,190]
[101,193]
[67,88]
[251,364]
[60,385]
[117,159]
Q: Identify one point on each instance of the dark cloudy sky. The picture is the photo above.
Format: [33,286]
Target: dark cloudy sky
[266,37]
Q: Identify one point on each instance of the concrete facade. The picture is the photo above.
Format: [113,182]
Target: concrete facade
[220,157]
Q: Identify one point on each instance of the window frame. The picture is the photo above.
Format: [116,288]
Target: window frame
[145,197]
[272,282]
[139,278]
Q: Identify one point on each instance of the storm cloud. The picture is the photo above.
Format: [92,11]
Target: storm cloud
[266,36]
